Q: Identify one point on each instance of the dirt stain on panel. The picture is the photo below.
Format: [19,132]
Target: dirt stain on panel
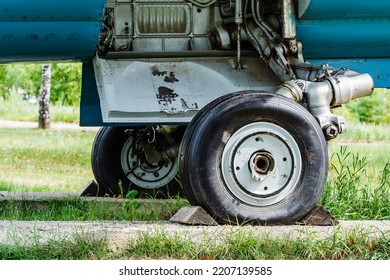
[166,95]
[171,78]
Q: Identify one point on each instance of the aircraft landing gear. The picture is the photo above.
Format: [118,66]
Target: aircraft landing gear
[254,157]
[137,158]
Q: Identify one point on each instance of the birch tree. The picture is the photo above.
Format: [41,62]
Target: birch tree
[44,98]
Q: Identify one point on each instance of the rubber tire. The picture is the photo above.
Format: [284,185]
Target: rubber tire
[204,141]
[108,172]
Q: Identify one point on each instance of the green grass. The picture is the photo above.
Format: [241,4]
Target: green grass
[374,109]
[246,245]
[366,133]
[55,160]
[50,160]
[82,247]
[356,192]
[242,244]
[35,160]
[80,209]
[17,109]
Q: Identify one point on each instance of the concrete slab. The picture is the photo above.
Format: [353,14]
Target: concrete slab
[42,199]
[32,196]
[193,215]
[53,125]
[119,233]
[90,189]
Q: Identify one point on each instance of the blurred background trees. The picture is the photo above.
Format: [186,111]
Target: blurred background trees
[25,79]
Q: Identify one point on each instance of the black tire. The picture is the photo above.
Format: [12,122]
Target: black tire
[108,171]
[214,140]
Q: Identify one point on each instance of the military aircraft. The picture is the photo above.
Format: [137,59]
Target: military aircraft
[234,97]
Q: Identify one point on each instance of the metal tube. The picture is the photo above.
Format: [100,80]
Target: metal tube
[238,12]
[238,20]
[288,15]
[289,32]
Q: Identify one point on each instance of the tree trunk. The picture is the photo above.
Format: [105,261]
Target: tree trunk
[44,98]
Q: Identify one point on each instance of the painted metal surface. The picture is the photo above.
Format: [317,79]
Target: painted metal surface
[172,90]
[345,29]
[349,33]
[343,9]
[378,68]
[345,38]
[90,111]
[49,30]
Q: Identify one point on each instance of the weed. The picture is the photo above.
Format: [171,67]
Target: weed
[346,197]
[36,160]
[80,209]
[245,244]
[81,246]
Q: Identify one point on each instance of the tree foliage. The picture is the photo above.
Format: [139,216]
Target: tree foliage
[66,84]
[374,109]
[66,81]
[66,90]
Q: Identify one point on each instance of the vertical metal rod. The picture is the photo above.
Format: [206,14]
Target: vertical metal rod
[289,24]
[238,63]
[238,20]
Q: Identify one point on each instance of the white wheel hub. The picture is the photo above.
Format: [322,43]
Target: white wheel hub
[145,175]
[261,164]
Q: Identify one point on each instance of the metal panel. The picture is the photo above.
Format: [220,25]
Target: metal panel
[345,29]
[343,9]
[90,112]
[49,30]
[172,90]
[378,68]
[345,39]
[49,10]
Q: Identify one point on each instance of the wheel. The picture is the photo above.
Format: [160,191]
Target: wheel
[137,158]
[254,157]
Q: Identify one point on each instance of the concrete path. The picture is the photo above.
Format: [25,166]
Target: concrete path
[53,125]
[119,233]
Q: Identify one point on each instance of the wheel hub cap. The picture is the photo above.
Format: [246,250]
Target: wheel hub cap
[261,164]
[143,174]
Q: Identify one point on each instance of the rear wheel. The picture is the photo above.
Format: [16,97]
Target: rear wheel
[254,157]
[138,158]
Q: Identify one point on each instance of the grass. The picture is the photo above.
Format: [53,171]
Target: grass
[37,160]
[54,160]
[353,192]
[364,133]
[81,209]
[17,109]
[80,247]
[247,245]
[59,160]
[243,244]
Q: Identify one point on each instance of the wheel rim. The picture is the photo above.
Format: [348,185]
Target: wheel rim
[144,175]
[261,164]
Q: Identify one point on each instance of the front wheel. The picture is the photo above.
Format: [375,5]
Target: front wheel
[254,157]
